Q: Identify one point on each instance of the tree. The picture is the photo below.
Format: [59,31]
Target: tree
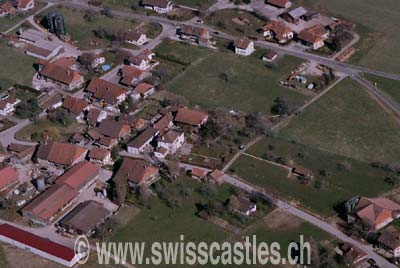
[210,130]
[208,190]
[28,109]
[281,106]
[60,116]
[258,123]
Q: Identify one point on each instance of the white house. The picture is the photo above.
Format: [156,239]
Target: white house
[7,105]
[242,205]
[140,61]
[159,6]
[143,90]
[136,38]
[100,156]
[244,47]
[172,141]
[142,141]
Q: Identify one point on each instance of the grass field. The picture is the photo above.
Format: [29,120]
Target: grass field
[35,131]
[376,21]
[202,4]
[227,80]
[348,122]
[391,87]
[82,30]
[19,66]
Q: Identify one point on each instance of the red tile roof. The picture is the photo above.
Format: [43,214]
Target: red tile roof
[278,28]
[37,242]
[75,105]
[142,88]
[60,73]
[11,100]
[131,71]
[8,176]
[197,172]
[65,62]
[107,91]
[114,129]
[98,153]
[190,117]
[136,170]
[23,3]
[93,115]
[313,34]
[242,43]
[61,153]
[375,211]
[79,175]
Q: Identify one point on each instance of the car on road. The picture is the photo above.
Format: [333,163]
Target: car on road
[242,147]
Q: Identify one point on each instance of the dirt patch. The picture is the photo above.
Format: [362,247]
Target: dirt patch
[279,220]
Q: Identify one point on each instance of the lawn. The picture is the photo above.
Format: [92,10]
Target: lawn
[202,4]
[376,21]
[234,82]
[348,122]
[83,30]
[248,26]
[35,131]
[19,66]
[391,87]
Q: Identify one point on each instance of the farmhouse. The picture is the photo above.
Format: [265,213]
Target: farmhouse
[107,92]
[8,178]
[37,245]
[198,173]
[85,218]
[280,3]
[217,177]
[64,154]
[269,56]
[159,6]
[92,60]
[61,75]
[191,117]
[100,156]
[376,213]
[45,208]
[137,171]
[142,141]
[135,37]
[195,34]
[7,105]
[278,30]
[244,46]
[143,90]
[80,176]
[294,15]
[76,106]
[242,205]
[313,36]
[114,129]
[389,240]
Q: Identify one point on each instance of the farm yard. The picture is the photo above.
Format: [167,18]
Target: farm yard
[376,21]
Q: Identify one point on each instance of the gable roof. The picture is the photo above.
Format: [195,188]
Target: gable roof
[193,31]
[133,35]
[143,137]
[8,176]
[102,89]
[79,175]
[313,34]
[60,153]
[142,88]
[375,211]
[10,100]
[242,43]
[135,170]
[93,115]
[297,12]
[60,73]
[98,153]
[164,122]
[114,129]
[75,105]
[278,27]
[190,117]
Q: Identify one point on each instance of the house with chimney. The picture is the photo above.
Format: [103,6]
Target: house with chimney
[314,36]
[244,46]
[159,6]
[61,154]
[138,172]
[140,61]
[92,60]
[389,241]
[105,92]
[60,75]
[277,30]
[76,107]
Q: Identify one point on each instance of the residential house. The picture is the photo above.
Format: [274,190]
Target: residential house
[46,207]
[190,117]
[76,107]
[7,8]
[375,213]
[40,246]
[143,90]
[114,129]
[389,240]
[80,176]
[143,141]
[216,176]
[22,152]
[270,55]
[140,61]
[313,36]
[64,154]
[277,30]
[172,141]
[24,5]
[130,76]
[244,46]
[61,75]
[295,15]
[195,34]
[7,105]
[85,218]
[137,172]
[136,37]
[8,178]
[159,6]
[164,123]
[242,205]
[280,3]
[198,173]
[107,142]
[107,92]
[302,172]
[136,123]
[95,116]
[100,156]
[355,256]
[92,60]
